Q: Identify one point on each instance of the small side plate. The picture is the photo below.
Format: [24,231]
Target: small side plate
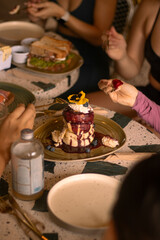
[21,95]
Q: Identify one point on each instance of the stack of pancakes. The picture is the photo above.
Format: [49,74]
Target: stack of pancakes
[79,127]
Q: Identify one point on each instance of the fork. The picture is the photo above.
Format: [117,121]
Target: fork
[13,208]
[56,101]
[6,208]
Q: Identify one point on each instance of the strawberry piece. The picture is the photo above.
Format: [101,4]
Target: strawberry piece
[116,83]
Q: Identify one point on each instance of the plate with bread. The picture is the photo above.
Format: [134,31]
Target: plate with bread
[12,95]
[49,55]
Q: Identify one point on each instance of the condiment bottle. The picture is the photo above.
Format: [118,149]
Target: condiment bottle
[27,160]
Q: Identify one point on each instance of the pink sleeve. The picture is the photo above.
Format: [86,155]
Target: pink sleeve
[148,110]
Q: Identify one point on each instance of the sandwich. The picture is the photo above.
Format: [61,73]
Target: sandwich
[50,54]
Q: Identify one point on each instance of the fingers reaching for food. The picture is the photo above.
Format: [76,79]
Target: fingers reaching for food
[110,85]
[119,91]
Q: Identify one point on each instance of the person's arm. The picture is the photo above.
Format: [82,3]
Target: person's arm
[129,56]
[128,95]
[148,110]
[103,17]
[129,66]
[124,94]
[10,130]
[104,11]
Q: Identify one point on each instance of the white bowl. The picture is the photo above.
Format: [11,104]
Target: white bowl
[83,202]
[20,54]
[27,41]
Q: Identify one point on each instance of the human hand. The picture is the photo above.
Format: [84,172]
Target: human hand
[45,10]
[125,94]
[33,19]
[32,9]
[30,16]
[114,44]
[11,127]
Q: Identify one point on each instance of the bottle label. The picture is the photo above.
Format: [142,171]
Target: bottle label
[27,175]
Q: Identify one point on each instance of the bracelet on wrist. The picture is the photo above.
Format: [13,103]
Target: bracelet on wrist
[64,18]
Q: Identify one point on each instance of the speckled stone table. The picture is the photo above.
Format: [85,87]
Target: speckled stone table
[44,87]
[138,139]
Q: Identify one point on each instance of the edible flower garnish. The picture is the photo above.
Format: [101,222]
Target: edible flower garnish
[78,98]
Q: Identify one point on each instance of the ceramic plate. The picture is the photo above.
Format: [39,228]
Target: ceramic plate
[83,202]
[102,124]
[21,95]
[76,63]
[12,32]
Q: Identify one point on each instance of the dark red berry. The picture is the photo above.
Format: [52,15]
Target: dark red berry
[116,83]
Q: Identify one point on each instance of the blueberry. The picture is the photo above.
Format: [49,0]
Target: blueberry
[95,142]
[88,150]
[48,147]
[86,104]
[52,149]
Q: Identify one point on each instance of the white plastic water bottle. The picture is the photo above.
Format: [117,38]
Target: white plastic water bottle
[27,160]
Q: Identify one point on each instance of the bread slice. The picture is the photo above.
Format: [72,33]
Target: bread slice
[38,48]
[61,44]
[48,46]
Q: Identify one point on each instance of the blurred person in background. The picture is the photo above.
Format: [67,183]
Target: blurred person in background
[129,96]
[143,43]
[82,22]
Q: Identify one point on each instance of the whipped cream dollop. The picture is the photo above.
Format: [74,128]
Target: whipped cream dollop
[81,108]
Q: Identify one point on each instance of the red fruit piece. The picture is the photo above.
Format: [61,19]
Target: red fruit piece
[77,117]
[116,83]
[2,99]
[6,97]
[3,95]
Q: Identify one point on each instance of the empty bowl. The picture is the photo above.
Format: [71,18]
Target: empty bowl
[20,54]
